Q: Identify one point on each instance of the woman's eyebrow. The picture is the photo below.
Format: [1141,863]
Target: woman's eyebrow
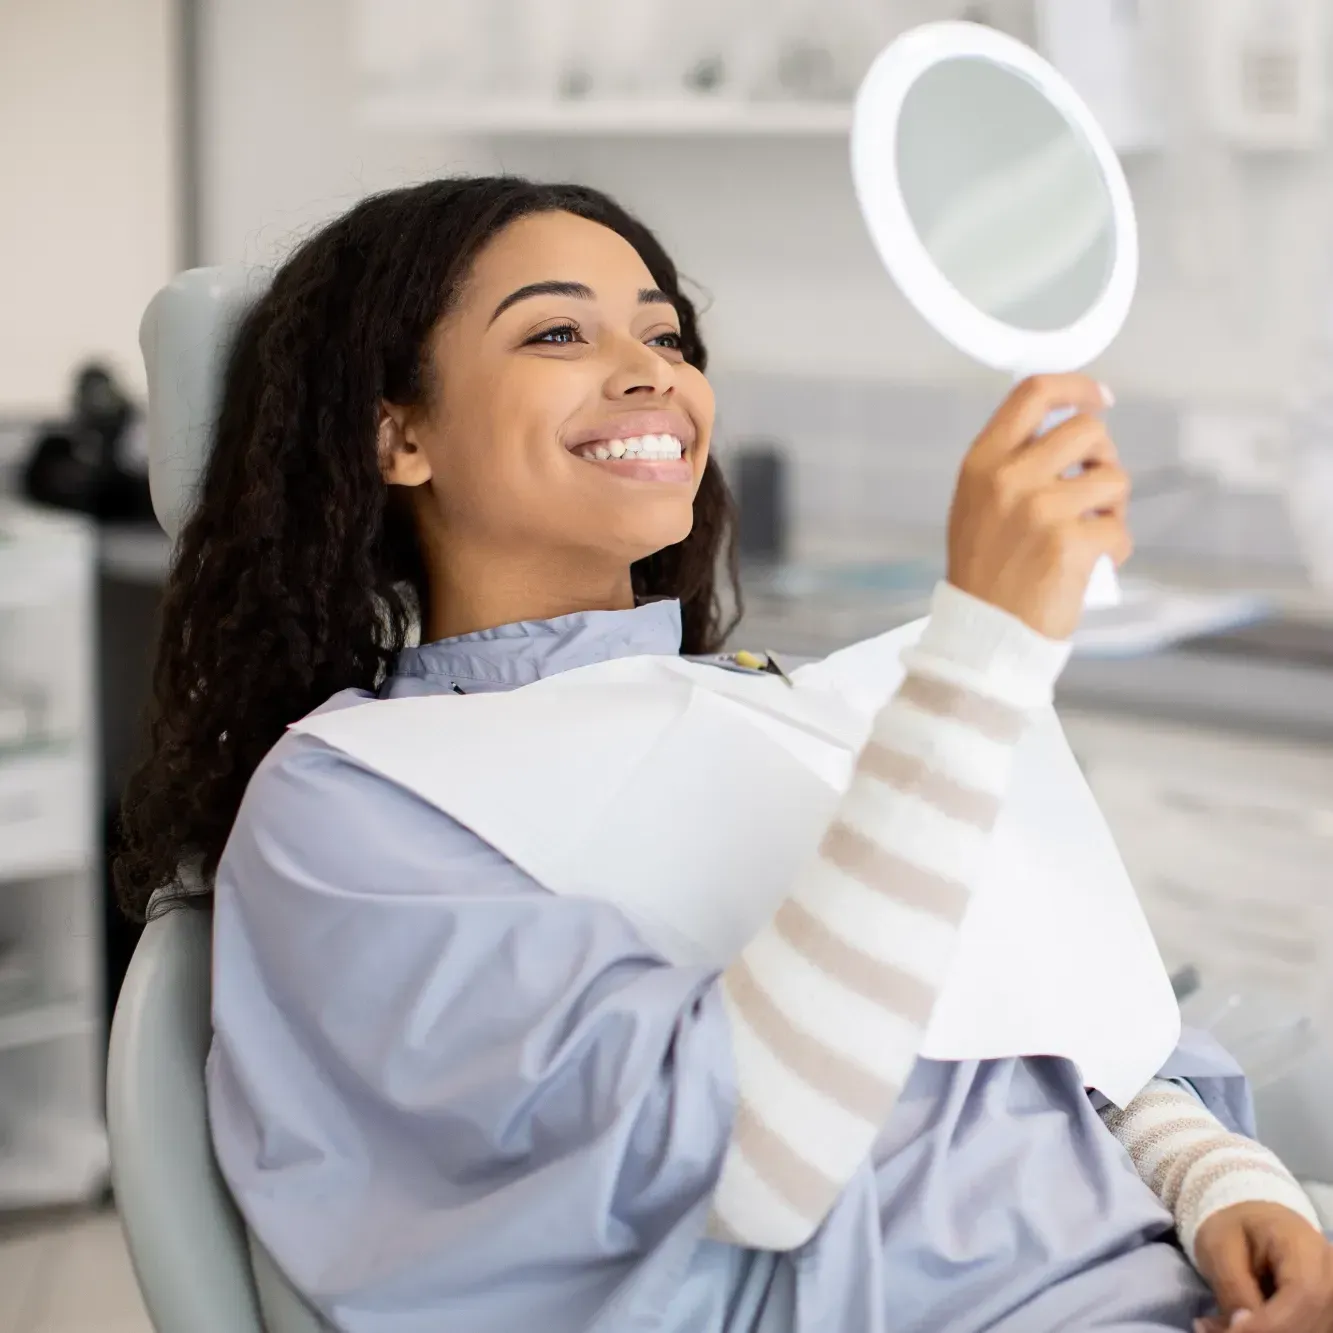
[578,290]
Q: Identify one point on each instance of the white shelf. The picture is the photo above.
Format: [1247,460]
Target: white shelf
[439,113]
[43,1022]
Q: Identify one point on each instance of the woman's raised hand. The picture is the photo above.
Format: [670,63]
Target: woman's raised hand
[1032,516]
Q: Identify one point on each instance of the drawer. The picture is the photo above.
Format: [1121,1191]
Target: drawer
[46,815]
[1229,842]
[1232,766]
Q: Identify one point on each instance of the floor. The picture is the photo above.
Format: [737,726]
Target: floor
[67,1272]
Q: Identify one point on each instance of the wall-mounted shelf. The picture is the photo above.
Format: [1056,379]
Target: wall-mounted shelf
[437,113]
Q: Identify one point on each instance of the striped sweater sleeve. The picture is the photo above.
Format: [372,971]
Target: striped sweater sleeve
[828,1005]
[1195,1165]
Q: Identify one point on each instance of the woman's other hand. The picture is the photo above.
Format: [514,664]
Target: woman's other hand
[1031,517]
[1257,1248]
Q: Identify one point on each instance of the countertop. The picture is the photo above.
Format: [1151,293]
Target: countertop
[1274,677]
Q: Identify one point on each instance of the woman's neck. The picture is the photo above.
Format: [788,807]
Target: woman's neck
[471,595]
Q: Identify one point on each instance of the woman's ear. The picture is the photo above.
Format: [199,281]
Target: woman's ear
[402,460]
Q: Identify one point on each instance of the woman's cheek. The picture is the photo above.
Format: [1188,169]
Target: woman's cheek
[696,394]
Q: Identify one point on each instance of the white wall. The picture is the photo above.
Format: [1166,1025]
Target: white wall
[87,187]
[769,228]
[280,150]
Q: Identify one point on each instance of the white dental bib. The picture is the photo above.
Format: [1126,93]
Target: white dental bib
[689,797]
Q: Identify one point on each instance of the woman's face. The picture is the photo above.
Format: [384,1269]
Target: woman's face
[564,421]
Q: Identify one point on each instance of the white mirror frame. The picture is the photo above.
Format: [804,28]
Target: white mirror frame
[874,145]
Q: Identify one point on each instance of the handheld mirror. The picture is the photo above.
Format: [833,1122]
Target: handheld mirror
[997,204]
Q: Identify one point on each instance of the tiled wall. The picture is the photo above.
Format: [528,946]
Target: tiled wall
[873,465]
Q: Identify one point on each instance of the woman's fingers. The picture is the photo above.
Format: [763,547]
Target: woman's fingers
[1226,1259]
[1293,1309]
[1103,490]
[1029,518]
[1021,414]
[1063,507]
[1301,1265]
[1082,442]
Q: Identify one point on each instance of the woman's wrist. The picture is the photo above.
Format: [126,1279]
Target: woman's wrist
[1253,1175]
[977,646]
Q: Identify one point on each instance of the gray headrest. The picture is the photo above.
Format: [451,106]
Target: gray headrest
[185,336]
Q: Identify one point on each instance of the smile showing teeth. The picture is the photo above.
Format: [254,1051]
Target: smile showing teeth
[652,448]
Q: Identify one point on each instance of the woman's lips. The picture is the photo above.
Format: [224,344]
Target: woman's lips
[672,471]
[632,425]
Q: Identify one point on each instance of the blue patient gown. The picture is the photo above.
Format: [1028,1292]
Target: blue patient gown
[446,1099]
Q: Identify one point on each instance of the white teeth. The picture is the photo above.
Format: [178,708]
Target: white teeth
[653,446]
[656,448]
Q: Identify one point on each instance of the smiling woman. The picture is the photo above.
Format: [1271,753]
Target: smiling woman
[561,341]
[403,440]
[446,1092]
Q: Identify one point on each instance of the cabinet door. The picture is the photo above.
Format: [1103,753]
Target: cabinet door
[1230,843]
[45,814]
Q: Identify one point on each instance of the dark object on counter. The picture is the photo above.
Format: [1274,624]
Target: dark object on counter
[83,463]
[761,496]
[1185,982]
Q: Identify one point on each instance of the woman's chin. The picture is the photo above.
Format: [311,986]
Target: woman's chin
[644,535]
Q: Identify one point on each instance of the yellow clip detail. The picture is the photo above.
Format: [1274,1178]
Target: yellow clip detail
[751,661]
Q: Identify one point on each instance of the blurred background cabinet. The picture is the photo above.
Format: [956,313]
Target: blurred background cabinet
[52,1014]
[1229,840]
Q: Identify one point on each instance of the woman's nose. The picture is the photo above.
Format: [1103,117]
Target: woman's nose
[640,370]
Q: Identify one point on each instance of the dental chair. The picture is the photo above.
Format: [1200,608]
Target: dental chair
[198,1268]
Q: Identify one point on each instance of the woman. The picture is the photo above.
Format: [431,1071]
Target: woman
[443,1096]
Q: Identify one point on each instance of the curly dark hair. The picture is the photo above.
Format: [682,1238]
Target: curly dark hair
[298,574]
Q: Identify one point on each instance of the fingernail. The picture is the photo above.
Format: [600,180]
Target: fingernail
[1109,399]
[1241,1317]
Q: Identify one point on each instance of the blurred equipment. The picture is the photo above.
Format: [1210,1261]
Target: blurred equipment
[1287,1057]
[1105,48]
[451,54]
[998,205]
[1309,479]
[1267,66]
[1268,1034]
[1150,618]
[762,498]
[87,463]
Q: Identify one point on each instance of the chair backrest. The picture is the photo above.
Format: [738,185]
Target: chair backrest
[187,1243]
[186,336]
[198,1269]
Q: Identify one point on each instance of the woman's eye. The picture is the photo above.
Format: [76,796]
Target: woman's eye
[671,341]
[561,335]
